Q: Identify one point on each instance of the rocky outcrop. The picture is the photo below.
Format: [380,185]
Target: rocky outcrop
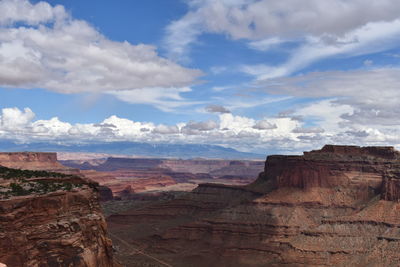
[105,193]
[34,161]
[337,206]
[361,169]
[51,219]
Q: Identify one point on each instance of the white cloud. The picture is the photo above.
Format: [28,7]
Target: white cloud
[54,51]
[370,38]
[326,113]
[217,109]
[350,107]
[272,20]
[14,118]
[371,95]
[270,133]
[266,44]
[264,125]
[165,99]
[12,11]
[250,101]
[308,130]
[166,129]
[201,126]
[181,34]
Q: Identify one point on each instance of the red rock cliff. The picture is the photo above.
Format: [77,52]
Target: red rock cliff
[51,219]
[337,206]
[358,168]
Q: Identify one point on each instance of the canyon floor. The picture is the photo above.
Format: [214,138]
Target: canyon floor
[137,183]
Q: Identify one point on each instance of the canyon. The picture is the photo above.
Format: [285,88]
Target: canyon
[126,177]
[50,215]
[337,206]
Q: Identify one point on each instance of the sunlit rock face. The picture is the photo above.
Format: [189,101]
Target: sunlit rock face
[51,219]
[363,169]
[33,161]
[337,206]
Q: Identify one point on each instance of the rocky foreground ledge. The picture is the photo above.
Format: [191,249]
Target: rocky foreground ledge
[49,218]
[338,206]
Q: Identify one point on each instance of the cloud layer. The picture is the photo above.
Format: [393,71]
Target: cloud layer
[42,46]
[372,94]
[321,29]
[282,133]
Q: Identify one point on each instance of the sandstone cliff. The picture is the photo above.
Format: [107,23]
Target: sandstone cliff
[51,219]
[337,206]
[34,161]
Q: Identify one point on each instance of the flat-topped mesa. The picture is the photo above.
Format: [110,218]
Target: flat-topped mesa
[367,169]
[28,156]
[355,152]
[33,161]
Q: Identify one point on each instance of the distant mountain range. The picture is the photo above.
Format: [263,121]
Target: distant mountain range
[184,151]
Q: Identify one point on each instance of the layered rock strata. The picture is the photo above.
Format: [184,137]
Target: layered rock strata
[160,175]
[51,219]
[337,206]
[34,161]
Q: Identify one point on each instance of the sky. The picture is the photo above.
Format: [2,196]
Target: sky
[254,75]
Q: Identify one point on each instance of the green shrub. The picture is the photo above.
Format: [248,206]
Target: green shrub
[18,190]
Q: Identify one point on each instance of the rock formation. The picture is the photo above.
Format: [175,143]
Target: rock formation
[49,218]
[34,161]
[337,206]
[145,174]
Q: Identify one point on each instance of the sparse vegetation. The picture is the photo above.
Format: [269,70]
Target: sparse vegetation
[27,182]
[7,173]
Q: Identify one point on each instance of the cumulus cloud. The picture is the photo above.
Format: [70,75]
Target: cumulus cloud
[264,125]
[12,11]
[14,118]
[240,132]
[42,46]
[217,109]
[166,129]
[201,126]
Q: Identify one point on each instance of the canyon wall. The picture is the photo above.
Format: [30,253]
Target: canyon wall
[337,206]
[130,178]
[49,218]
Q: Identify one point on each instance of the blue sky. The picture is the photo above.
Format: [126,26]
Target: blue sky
[253,75]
